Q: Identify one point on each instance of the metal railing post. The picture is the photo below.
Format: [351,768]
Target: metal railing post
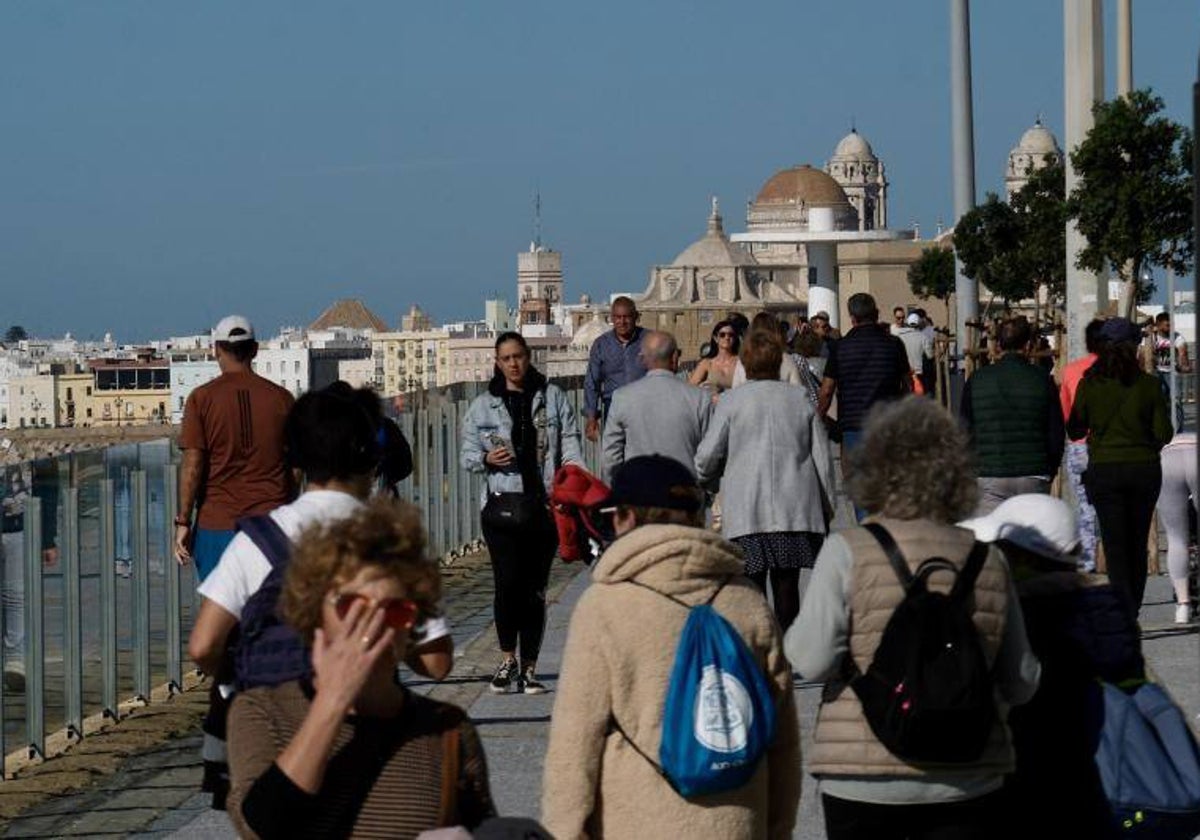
[422,483]
[408,427]
[108,602]
[35,631]
[437,520]
[452,478]
[141,587]
[73,625]
[174,631]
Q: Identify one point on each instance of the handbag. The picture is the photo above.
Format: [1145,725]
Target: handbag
[511,511]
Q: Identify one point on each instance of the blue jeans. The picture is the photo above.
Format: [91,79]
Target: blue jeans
[208,548]
[851,440]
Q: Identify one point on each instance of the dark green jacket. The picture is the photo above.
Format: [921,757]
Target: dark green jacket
[1011,411]
[1124,425]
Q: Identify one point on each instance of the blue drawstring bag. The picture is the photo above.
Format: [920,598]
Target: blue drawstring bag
[1149,764]
[719,717]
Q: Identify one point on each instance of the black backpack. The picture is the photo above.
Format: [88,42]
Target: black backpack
[927,694]
[268,652]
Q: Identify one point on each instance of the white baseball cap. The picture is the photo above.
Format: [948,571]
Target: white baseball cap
[232,329]
[913,319]
[1034,521]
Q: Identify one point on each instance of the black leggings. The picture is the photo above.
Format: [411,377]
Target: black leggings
[785,593]
[521,567]
[971,819]
[1124,497]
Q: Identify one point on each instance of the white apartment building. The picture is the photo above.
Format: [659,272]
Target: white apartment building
[31,401]
[187,374]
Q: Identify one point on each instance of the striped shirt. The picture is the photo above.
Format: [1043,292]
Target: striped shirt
[383,779]
[868,365]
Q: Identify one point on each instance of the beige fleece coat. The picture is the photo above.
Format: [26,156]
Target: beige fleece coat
[618,659]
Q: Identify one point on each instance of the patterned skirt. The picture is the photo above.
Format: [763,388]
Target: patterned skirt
[779,550]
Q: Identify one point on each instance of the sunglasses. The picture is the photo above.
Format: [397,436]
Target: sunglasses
[724,334]
[398,613]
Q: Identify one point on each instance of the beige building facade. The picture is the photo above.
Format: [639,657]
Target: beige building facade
[410,360]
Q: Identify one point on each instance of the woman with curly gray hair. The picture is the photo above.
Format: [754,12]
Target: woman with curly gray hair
[913,476]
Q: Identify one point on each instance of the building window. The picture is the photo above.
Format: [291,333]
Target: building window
[672,286]
[296,367]
[712,288]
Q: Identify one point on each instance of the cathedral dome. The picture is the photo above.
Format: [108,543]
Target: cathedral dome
[1038,140]
[855,146]
[714,249]
[802,185]
[586,334]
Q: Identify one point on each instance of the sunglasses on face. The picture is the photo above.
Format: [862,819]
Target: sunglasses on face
[724,334]
[398,613]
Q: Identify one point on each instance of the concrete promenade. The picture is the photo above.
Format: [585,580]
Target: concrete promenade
[153,794]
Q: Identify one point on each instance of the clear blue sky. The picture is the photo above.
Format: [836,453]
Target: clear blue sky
[166,163]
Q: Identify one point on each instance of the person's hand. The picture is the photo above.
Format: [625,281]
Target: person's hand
[183,544]
[591,429]
[501,456]
[343,658]
[50,556]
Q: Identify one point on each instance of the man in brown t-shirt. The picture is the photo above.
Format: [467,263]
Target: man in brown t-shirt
[232,442]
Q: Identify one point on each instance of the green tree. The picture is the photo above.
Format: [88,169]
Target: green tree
[1133,200]
[1041,211]
[988,242]
[14,334]
[932,276]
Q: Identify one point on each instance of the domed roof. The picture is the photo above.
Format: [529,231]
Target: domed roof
[586,334]
[715,249]
[1038,140]
[854,145]
[803,184]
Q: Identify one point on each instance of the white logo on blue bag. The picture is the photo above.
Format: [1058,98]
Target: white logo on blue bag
[724,713]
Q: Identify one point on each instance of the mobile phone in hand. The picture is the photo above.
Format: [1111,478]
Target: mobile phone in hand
[496,441]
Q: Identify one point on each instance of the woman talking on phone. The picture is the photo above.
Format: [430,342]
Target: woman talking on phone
[518,434]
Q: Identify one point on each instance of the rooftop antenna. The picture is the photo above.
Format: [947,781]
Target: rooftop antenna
[537,219]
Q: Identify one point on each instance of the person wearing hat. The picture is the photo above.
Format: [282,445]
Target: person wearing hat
[917,347]
[1124,415]
[232,442]
[618,667]
[1081,633]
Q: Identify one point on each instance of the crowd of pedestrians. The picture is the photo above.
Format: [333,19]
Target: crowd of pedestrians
[332,743]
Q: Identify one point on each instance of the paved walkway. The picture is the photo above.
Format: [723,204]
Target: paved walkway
[514,730]
[154,794]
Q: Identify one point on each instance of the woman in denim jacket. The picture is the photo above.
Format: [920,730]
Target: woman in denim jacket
[518,434]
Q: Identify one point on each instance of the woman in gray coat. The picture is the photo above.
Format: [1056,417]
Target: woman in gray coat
[768,446]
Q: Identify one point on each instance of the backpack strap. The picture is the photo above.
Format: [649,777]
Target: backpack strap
[894,555]
[270,539]
[965,581]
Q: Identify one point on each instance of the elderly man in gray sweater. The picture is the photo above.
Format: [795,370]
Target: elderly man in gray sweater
[658,414]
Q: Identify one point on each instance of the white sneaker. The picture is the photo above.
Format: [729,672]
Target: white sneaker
[1183,613]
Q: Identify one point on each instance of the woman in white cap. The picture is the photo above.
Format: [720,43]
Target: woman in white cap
[1081,632]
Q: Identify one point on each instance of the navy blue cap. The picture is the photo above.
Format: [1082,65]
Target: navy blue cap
[655,481]
[1118,330]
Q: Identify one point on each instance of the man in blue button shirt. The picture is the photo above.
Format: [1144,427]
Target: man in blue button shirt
[615,360]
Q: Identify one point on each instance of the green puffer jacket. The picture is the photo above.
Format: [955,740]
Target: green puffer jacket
[1011,410]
